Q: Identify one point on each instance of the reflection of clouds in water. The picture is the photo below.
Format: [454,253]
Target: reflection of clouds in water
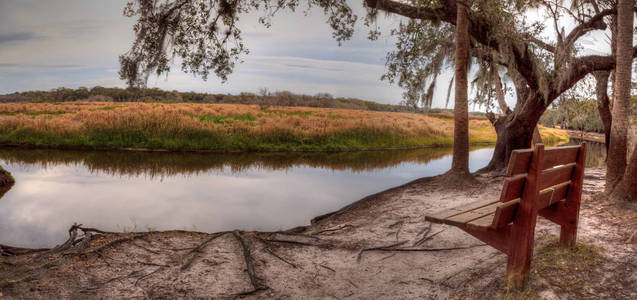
[48,198]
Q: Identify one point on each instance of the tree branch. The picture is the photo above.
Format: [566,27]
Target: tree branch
[594,23]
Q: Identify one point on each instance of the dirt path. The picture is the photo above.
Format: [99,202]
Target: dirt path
[342,255]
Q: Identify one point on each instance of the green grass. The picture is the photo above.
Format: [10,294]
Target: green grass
[334,117]
[114,107]
[235,139]
[282,113]
[38,113]
[572,273]
[228,119]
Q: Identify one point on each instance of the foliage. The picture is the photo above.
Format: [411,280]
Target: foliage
[423,51]
[574,114]
[204,34]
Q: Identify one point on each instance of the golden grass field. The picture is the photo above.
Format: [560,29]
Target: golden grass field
[193,126]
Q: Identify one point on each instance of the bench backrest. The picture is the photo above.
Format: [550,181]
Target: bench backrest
[540,178]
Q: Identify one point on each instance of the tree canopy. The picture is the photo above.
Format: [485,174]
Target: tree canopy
[204,34]
[540,56]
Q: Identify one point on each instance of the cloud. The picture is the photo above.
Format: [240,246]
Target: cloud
[18,37]
[19,66]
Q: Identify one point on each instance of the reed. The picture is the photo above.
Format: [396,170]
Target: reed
[191,126]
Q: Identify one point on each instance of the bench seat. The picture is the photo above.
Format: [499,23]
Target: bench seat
[494,214]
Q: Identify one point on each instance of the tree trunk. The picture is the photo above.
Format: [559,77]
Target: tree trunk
[603,103]
[460,163]
[627,188]
[512,135]
[616,164]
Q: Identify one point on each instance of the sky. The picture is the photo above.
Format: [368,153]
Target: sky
[72,43]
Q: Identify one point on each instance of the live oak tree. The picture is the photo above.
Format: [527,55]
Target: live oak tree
[540,70]
[205,37]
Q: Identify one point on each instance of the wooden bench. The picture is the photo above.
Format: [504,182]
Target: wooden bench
[545,182]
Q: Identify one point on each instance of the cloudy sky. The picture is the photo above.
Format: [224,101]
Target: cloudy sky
[73,43]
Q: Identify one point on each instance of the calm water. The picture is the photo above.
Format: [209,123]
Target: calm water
[205,192]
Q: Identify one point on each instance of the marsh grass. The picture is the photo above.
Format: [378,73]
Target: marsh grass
[189,126]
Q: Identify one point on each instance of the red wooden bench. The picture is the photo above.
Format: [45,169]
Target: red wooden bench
[545,182]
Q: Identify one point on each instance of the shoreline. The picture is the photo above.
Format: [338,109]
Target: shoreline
[132,149]
[346,253]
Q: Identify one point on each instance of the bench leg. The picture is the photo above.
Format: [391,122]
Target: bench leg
[568,232]
[518,267]
[520,252]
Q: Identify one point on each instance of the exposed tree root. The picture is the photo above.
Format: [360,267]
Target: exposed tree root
[326,267]
[271,252]
[14,251]
[199,248]
[425,232]
[338,228]
[391,248]
[398,224]
[257,285]
[425,238]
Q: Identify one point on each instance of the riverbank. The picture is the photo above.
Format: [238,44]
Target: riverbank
[228,127]
[352,253]
[595,137]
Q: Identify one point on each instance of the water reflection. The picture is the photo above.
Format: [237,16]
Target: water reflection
[206,192]
[595,152]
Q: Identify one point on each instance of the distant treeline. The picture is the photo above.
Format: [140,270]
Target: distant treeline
[264,97]
[578,115]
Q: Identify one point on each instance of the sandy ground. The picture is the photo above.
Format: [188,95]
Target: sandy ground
[344,255]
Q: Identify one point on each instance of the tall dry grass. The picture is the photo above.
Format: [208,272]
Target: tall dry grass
[191,126]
